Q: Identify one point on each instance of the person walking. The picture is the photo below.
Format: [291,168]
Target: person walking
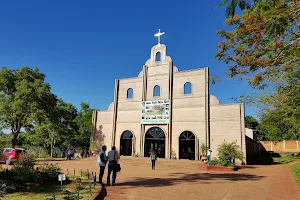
[153,158]
[113,157]
[102,160]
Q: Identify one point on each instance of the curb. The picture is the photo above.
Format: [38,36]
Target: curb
[100,194]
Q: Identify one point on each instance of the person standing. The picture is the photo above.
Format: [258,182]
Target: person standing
[153,158]
[113,158]
[102,160]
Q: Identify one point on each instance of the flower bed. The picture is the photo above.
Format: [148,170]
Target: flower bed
[220,168]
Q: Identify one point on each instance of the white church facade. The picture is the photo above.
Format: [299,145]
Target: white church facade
[169,111]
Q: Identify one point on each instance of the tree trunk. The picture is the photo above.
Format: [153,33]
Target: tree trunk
[14,139]
[52,138]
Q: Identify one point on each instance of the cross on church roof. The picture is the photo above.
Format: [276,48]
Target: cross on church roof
[158,36]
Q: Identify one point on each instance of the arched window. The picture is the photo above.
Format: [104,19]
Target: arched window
[130,93]
[156,91]
[187,88]
[157,57]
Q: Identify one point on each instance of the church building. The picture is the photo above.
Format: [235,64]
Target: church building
[169,111]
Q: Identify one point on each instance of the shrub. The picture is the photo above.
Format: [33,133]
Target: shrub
[231,165]
[204,149]
[222,163]
[76,185]
[38,152]
[213,162]
[25,161]
[228,153]
[49,172]
[173,155]
[23,168]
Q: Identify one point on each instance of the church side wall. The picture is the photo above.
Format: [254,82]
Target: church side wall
[188,109]
[227,125]
[103,129]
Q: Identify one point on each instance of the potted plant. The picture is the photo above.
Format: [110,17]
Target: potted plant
[204,153]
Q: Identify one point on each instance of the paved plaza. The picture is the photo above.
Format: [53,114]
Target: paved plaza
[183,179]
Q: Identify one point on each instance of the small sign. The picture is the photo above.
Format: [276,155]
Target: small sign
[61,178]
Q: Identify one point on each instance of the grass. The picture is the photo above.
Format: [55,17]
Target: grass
[47,192]
[50,159]
[286,159]
[296,171]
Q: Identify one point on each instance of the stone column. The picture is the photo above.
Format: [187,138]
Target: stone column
[144,98]
[170,135]
[116,97]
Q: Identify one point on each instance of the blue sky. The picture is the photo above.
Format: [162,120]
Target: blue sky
[83,46]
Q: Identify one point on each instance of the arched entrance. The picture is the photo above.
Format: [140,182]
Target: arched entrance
[187,145]
[155,140]
[126,143]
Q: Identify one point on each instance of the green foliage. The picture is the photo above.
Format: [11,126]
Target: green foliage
[84,121]
[213,162]
[5,141]
[23,169]
[296,171]
[203,149]
[262,46]
[25,98]
[251,122]
[25,161]
[233,4]
[287,159]
[173,155]
[228,153]
[49,172]
[38,152]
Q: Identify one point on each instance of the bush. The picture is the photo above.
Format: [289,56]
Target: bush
[204,149]
[49,172]
[23,169]
[25,161]
[228,153]
[173,155]
[213,162]
[222,163]
[38,152]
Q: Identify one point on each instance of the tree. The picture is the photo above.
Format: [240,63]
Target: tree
[60,128]
[5,140]
[232,5]
[251,122]
[283,121]
[263,46]
[25,98]
[243,4]
[84,121]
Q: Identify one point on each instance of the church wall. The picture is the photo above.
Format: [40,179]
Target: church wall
[163,81]
[129,110]
[158,68]
[134,128]
[188,109]
[227,124]
[197,128]
[136,84]
[103,134]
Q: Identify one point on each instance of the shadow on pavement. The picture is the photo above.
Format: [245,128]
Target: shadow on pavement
[189,178]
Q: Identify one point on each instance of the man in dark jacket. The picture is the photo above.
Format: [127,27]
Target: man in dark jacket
[102,160]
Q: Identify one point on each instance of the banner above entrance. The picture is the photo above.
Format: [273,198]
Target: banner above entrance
[156,112]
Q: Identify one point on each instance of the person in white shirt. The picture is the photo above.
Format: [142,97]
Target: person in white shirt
[113,157]
[102,160]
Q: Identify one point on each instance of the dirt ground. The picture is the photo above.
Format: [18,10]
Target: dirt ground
[178,180]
